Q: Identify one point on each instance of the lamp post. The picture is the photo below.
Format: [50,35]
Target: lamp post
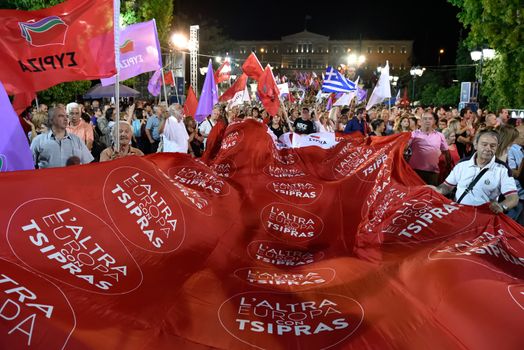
[479,56]
[440,53]
[180,44]
[415,72]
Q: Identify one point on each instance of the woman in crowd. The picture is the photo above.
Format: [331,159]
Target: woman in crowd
[196,141]
[378,126]
[37,123]
[449,134]
[277,125]
[507,135]
[124,136]
[402,124]
[325,124]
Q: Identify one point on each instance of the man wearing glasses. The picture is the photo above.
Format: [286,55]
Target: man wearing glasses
[77,126]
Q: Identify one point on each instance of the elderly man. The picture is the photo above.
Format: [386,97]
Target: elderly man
[173,131]
[482,178]
[78,126]
[56,147]
[427,144]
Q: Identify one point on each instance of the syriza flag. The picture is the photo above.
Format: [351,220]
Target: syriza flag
[139,51]
[235,95]
[74,40]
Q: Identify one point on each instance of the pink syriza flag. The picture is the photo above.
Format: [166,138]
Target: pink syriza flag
[139,51]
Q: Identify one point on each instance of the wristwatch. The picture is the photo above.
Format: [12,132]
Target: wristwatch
[504,207]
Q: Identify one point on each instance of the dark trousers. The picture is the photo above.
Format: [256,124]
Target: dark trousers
[428,177]
[151,147]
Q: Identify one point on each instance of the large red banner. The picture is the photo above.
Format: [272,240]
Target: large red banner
[260,247]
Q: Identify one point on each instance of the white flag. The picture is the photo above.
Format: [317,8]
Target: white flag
[345,99]
[382,90]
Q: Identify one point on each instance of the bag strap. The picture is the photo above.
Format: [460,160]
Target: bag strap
[472,184]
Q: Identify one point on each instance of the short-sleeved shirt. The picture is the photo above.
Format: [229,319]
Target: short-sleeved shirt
[495,181]
[153,123]
[48,152]
[302,126]
[515,157]
[426,149]
[83,130]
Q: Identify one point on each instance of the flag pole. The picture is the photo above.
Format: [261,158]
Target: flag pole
[164,85]
[116,26]
[36,101]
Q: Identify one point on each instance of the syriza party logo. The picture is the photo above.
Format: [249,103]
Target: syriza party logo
[127,46]
[46,32]
[3,163]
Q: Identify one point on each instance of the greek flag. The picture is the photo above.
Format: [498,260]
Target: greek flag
[335,82]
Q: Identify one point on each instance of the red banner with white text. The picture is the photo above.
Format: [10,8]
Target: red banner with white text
[261,247]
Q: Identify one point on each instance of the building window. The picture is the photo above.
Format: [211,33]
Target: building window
[366,67]
[253,49]
[392,49]
[242,50]
[392,66]
[309,63]
[370,50]
[335,49]
[402,66]
[403,50]
[275,50]
[380,49]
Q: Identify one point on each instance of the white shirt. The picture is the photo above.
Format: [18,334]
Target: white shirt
[494,182]
[175,136]
[205,128]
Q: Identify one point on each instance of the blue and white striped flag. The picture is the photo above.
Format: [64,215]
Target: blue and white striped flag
[336,82]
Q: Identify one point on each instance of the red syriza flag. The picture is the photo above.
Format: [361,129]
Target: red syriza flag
[268,91]
[71,41]
[223,72]
[252,67]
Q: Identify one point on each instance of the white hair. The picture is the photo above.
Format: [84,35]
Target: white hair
[70,107]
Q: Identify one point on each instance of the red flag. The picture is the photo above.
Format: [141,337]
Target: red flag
[23,100]
[268,91]
[169,78]
[252,67]
[223,73]
[191,104]
[238,86]
[70,41]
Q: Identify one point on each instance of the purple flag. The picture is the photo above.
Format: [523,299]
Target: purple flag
[15,153]
[361,94]
[329,103]
[139,51]
[155,83]
[208,96]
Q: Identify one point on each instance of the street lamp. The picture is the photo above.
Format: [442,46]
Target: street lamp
[181,44]
[415,72]
[440,53]
[481,55]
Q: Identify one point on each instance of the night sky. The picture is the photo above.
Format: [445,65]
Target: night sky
[431,24]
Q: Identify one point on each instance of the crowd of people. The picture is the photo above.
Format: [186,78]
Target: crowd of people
[448,148]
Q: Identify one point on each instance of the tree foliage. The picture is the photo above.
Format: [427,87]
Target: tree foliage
[64,93]
[497,24]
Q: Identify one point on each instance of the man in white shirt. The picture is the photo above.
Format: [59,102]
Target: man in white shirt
[208,124]
[495,181]
[173,131]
